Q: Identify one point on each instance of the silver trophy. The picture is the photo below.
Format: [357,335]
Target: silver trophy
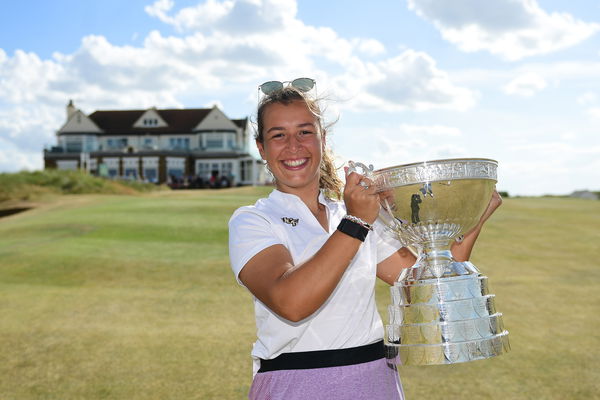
[441,311]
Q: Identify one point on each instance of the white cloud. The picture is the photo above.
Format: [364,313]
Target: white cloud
[526,85]
[213,103]
[568,136]
[14,158]
[587,98]
[594,112]
[510,29]
[398,144]
[392,151]
[429,130]
[369,47]
[542,168]
[277,41]
[240,16]
[410,81]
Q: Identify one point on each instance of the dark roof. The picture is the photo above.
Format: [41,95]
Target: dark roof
[178,121]
[242,123]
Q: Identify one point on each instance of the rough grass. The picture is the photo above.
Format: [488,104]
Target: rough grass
[36,185]
[132,297]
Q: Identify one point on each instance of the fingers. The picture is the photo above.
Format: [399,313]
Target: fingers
[495,202]
[358,183]
[367,185]
[361,198]
[496,198]
[352,178]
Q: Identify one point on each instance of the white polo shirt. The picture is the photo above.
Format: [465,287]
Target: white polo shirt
[349,317]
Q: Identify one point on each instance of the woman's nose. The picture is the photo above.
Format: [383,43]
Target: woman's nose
[293,142]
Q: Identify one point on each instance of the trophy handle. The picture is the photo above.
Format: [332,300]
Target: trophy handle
[365,171]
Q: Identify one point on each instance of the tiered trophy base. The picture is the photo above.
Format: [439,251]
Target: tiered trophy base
[444,320]
[447,353]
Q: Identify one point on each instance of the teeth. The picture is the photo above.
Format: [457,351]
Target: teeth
[295,163]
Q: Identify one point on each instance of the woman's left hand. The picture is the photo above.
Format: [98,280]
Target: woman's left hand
[462,251]
[494,203]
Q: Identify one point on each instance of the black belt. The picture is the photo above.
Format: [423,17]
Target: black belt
[324,358]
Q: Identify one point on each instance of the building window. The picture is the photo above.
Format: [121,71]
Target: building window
[214,141]
[244,171]
[112,167]
[150,167]
[78,144]
[116,144]
[151,175]
[179,143]
[214,169]
[67,164]
[131,173]
[175,168]
[150,122]
[203,170]
[231,142]
[226,168]
[175,173]
[93,164]
[74,145]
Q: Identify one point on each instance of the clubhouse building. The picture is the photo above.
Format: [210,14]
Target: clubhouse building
[181,147]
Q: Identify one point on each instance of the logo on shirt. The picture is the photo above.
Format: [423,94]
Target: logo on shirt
[291,221]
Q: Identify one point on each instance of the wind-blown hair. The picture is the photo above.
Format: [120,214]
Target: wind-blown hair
[328,181]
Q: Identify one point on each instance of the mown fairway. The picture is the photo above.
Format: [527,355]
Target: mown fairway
[132,297]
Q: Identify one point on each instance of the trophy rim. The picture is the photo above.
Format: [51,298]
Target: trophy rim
[425,163]
[436,281]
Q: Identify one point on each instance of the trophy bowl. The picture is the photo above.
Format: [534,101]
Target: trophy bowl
[441,311]
[432,203]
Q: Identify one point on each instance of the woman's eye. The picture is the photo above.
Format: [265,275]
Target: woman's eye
[305,132]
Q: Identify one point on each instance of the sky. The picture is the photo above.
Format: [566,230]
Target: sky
[403,81]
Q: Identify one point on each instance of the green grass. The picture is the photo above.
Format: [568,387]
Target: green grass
[132,297]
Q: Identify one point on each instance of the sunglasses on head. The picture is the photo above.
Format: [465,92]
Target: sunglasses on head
[302,84]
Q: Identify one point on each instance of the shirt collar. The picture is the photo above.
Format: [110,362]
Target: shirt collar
[286,198]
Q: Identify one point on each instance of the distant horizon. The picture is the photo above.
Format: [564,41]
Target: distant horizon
[407,81]
[500,190]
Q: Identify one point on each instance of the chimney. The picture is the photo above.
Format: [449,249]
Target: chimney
[70,109]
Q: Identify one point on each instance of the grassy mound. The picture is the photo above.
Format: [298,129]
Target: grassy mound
[24,186]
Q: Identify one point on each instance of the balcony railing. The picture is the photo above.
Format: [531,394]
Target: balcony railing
[67,150]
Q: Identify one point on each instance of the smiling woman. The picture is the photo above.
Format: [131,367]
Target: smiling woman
[311,262]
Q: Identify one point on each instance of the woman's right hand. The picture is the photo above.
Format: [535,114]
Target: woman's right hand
[361,201]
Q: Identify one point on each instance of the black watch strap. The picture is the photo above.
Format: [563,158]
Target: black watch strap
[353,229]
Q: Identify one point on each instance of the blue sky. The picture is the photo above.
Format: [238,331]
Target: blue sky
[410,80]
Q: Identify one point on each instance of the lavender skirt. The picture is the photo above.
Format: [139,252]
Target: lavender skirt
[373,380]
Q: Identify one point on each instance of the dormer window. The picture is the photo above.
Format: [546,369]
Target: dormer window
[150,122]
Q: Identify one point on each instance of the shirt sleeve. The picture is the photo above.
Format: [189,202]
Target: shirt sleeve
[387,241]
[249,234]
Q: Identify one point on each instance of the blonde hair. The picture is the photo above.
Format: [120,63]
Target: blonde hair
[329,181]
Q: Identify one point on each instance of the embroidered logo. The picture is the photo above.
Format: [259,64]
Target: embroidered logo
[291,221]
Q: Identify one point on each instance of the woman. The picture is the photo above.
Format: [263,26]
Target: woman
[311,261]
